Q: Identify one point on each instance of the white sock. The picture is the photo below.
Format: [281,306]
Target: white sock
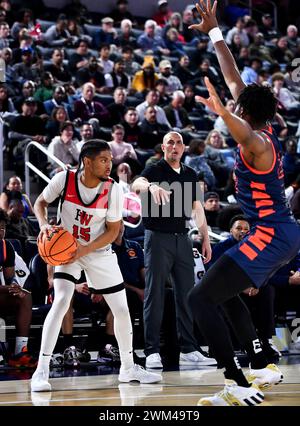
[44,363]
[122,326]
[20,343]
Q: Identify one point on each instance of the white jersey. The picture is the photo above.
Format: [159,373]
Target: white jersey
[21,271]
[84,211]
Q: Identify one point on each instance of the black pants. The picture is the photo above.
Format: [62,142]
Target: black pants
[218,293]
[165,254]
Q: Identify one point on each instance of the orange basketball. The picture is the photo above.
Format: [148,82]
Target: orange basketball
[58,248]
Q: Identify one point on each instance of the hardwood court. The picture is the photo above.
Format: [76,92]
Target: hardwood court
[178,388]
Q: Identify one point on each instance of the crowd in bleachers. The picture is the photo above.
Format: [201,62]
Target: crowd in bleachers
[129,81]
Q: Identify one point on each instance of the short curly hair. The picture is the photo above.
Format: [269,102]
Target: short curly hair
[259,103]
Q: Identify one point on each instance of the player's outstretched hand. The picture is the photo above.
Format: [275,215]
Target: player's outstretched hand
[214,103]
[208,16]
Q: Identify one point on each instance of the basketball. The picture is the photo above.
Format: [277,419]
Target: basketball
[58,248]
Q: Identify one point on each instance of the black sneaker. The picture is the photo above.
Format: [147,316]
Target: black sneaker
[109,354]
[71,357]
[83,355]
[271,352]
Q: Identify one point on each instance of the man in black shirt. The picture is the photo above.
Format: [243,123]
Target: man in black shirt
[175,190]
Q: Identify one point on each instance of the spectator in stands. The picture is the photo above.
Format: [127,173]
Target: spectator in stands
[146,78]
[282,54]
[131,127]
[213,152]
[250,73]
[18,227]
[295,204]
[121,13]
[107,34]
[86,108]
[173,44]
[14,300]
[270,33]
[243,59]
[26,126]
[117,78]
[190,36]
[59,99]
[150,43]
[220,125]
[182,70]
[152,132]
[57,35]
[10,74]
[176,114]
[212,207]
[163,14]
[58,116]
[117,109]
[126,37]
[64,148]
[205,69]
[161,87]
[46,89]
[7,108]
[80,58]
[25,70]
[76,32]
[175,22]
[152,98]
[124,174]
[24,20]
[158,155]
[260,50]
[292,38]
[190,105]
[121,151]
[12,186]
[130,66]
[5,40]
[104,61]
[287,101]
[92,73]
[165,68]
[57,68]
[291,162]
[197,161]
[251,29]
[86,133]
[240,30]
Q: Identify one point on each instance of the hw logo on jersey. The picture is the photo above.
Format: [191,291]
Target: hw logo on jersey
[83,231]
[260,239]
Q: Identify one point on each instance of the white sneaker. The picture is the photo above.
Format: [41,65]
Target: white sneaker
[139,374]
[154,361]
[264,378]
[195,358]
[232,394]
[39,382]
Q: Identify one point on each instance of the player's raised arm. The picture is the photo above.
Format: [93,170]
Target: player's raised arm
[209,25]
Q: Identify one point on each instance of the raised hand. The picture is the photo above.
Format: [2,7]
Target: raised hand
[208,16]
[214,103]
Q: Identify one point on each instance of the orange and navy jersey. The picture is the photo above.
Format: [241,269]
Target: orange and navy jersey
[261,194]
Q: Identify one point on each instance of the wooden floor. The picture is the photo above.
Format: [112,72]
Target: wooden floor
[178,388]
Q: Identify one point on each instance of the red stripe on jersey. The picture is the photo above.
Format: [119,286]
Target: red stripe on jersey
[262,203]
[263,213]
[257,185]
[248,251]
[259,195]
[270,231]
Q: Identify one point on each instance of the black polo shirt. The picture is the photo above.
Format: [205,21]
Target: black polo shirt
[174,216]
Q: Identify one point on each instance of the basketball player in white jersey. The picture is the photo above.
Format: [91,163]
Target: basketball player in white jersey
[91,209]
